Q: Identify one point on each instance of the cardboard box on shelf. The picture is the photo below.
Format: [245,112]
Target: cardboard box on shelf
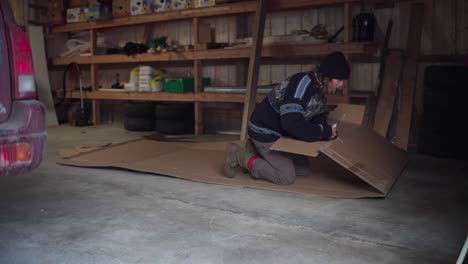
[204,3]
[97,12]
[139,7]
[181,4]
[121,8]
[77,3]
[160,5]
[76,15]
[56,12]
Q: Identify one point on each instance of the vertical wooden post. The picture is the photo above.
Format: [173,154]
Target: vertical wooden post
[198,75]
[346,39]
[346,22]
[410,74]
[387,93]
[94,79]
[254,66]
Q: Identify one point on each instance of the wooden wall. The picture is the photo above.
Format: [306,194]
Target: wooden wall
[445,33]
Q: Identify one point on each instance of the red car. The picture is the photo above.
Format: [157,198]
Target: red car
[23,123]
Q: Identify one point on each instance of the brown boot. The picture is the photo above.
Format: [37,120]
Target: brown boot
[236,158]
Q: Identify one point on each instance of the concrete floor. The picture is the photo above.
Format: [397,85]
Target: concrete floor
[59,214]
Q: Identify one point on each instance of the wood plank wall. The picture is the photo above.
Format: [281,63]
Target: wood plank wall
[445,32]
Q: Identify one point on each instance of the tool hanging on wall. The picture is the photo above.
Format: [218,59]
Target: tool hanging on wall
[78,113]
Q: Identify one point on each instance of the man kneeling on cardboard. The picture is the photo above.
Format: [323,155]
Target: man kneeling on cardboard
[296,108]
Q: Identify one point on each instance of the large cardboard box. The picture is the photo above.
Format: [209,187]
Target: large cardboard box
[56,12]
[139,7]
[77,3]
[181,4]
[121,8]
[97,12]
[359,163]
[76,15]
[204,3]
[160,5]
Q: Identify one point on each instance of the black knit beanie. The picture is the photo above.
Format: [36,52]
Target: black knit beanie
[335,66]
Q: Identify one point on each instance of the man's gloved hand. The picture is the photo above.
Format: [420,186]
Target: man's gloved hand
[334,132]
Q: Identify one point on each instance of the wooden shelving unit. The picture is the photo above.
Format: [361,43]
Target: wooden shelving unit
[199,97]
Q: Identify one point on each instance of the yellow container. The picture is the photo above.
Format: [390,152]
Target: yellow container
[181,4]
[204,3]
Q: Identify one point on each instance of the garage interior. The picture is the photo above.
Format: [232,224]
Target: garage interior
[209,62]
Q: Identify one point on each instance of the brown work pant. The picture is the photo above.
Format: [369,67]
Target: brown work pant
[278,167]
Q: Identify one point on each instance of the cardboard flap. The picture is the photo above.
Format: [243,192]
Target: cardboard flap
[311,149]
[360,150]
[348,113]
[367,155]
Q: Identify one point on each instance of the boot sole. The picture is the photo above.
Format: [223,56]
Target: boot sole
[230,167]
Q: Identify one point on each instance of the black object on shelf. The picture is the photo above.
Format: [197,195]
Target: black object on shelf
[363,27]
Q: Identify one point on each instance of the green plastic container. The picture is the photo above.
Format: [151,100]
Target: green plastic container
[183,85]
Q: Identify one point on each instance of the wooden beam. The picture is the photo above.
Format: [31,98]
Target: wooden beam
[96,108]
[410,74]
[198,73]
[218,10]
[225,98]
[254,66]
[137,96]
[198,77]
[388,90]
[346,22]
[228,9]
[286,52]
[116,94]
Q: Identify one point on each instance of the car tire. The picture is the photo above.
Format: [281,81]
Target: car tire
[139,124]
[140,109]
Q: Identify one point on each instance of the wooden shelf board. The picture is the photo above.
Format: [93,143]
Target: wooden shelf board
[226,9]
[234,53]
[225,97]
[180,97]
[142,96]
[218,10]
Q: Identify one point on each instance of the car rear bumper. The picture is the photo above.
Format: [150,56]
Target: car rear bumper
[27,123]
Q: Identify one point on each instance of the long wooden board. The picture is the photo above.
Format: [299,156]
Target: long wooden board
[254,66]
[410,74]
[388,90]
[283,51]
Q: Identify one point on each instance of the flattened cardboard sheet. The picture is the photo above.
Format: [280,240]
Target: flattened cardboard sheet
[203,162]
[359,163]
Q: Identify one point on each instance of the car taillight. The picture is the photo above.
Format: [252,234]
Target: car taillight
[23,69]
[15,154]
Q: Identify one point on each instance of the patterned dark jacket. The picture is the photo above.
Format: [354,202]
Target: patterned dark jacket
[296,108]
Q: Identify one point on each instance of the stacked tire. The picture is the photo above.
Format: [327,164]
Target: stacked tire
[444,112]
[140,116]
[174,118]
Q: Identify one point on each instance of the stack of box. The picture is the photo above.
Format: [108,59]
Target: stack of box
[139,7]
[157,6]
[181,4]
[97,12]
[85,10]
[120,8]
[132,85]
[55,12]
[77,3]
[145,75]
[204,3]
